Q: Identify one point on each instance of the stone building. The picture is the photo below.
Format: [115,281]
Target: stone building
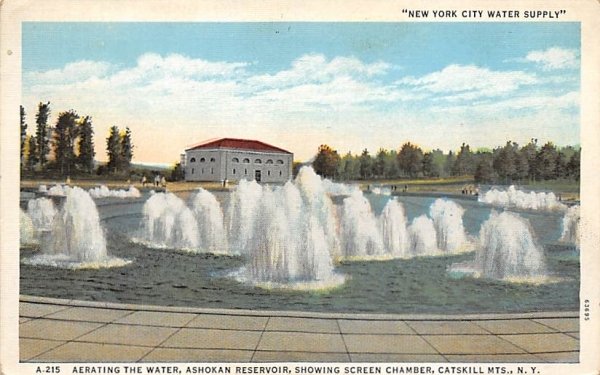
[234,159]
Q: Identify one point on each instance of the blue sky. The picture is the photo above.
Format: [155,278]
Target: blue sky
[351,85]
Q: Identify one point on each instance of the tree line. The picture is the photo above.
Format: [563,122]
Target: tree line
[502,165]
[67,147]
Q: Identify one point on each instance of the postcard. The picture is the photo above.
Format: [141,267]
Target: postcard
[275,187]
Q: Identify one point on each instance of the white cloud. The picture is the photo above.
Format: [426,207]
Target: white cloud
[195,99]
[554,58]
[467,82]
[73,72]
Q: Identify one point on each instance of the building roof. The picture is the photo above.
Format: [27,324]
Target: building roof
[238,144]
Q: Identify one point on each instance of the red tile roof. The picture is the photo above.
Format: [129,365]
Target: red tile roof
[239,144]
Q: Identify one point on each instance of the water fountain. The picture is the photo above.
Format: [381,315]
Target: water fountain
[289,240]
[104,192]
[168,223]
[393,230]
[42,212]
[570,226]
[209,217]
[447,220]
[422,237]
[512,197]
[360,233]
[26,230]
[241,215]
[507,250]
[76,239]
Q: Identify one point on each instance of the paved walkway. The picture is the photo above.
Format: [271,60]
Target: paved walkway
[79,331]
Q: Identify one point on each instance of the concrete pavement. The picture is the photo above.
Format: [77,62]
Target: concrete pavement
[54,330]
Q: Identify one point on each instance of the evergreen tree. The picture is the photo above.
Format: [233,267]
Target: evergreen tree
[546,161]
[23,135]
[428,168]
[529,153]
[32,159]
[65,133]
[464,161]
[574,165]
[113,149]
[126,150]
[379,164]
[366,164]
[391,165]
[561,165]
[484,172]
[42,133]
[85,159]
[449,164]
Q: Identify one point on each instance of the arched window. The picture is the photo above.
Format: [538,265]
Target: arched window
[233,170]
[202,160]
[257,161]
[269,173]
[235,160]
[212,170]
[245,171]
[246,160]
[192,170]
[270,161]
[280,173]
[279,161]
[192,160]
[212,160]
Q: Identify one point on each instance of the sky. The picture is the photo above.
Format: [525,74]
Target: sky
[299,85]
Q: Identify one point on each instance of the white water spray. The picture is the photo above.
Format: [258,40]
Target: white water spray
[507,250]
[360,234]
[570,226]
[290,240]
[209,217]
[422,237]
[168,223]
[513,197]
[42,212]
[449,229]
[393,230]
[104,192]
[26,230]
[76,239]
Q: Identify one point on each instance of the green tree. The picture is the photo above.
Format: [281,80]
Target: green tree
[391,165]
[464,163]
[529,153]
[85,158]
[177,173]
[349,167]
[546,161]
[42,134]
[32,159]
[428,164]
[505,162]
[326,162]
[574,165]
[410,159]
[65,133]
[113,149]
[366,164]
[126,150]
[379,163]
[484,173]
[23,135]
[449,164]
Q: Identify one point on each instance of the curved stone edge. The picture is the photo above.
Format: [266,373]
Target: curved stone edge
[296,314]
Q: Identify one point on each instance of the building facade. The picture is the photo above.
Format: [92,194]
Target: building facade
[231,159]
